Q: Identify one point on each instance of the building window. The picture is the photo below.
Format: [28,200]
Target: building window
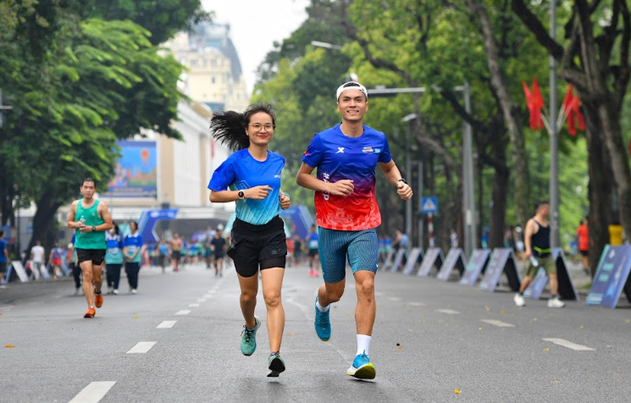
[194,62]
[212,79]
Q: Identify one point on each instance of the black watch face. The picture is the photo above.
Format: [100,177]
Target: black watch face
[241,194]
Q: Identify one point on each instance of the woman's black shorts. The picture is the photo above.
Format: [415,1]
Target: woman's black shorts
[255,246]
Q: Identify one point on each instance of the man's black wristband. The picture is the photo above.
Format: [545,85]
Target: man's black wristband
[403,180]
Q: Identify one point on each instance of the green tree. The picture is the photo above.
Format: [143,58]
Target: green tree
[594,56]
[162,18]
[69,111]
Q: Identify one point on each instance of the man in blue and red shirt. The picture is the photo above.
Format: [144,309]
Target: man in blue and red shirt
[347,213]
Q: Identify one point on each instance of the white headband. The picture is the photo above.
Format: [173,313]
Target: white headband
[351,85]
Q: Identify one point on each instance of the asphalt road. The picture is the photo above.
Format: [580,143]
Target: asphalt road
[431,340]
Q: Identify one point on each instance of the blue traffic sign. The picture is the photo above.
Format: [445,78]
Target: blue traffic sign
[429,205]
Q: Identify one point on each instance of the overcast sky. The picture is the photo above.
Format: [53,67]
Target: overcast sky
[255,25]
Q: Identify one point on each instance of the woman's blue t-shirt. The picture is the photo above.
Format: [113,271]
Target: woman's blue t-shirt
[240,172]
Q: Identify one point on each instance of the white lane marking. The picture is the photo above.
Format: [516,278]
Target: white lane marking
[394,298]
[142,347]
[497,323]
[212,291]
[378,294]
[448,311]
[167,324]
[193,305]
[416,304]
[207,296]
[183,312]
[569,344]
[201,300]
[94,392]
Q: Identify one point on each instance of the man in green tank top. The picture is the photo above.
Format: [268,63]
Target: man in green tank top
[90,218]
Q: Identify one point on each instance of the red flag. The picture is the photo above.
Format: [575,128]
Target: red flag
[571,106]
[538,101]
[534,103]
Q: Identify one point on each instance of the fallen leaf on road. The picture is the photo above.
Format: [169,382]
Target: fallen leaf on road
[9,346]
[456,391]
[480,328]
[502,312]
[135,317]
[625,321]
[290,334]
[581,327]
[487,308]
[546,349]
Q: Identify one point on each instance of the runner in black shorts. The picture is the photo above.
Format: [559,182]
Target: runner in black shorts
[90,218]
[251,177]
[219,251]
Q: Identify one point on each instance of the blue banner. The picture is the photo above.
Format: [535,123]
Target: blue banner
[476,264]
[502,260]
[433,257]
[611,276]
[454,259]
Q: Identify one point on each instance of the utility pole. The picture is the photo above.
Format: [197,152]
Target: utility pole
[408,172]
[555,239]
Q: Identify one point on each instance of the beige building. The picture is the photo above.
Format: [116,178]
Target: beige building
[214,75]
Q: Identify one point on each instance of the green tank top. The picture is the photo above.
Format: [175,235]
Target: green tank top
[89,240]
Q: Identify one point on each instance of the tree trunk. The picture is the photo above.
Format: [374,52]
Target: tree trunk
[600,188]
[518,149]
[45,227]
[619,164]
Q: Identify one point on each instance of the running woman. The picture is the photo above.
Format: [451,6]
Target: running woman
[90,218]
[219,245]
[132,249]
[251,177]
[113,259]
[314,254]
[347,213]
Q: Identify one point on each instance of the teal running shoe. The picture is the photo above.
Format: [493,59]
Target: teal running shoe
[248,338]
[276,365]
[362,368]
[322,323]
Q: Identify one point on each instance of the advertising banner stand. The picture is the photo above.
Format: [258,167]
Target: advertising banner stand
[389,259]
[433,258]
[502,261]
[477,263]
[398,260]
[567,289]
[19,270]
[454,259]
[416,256]
[612,276]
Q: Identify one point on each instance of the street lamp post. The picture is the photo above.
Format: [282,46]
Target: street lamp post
[408,172]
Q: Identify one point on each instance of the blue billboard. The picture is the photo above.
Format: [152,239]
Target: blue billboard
[136,172]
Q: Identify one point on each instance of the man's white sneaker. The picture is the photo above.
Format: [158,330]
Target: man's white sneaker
[555,303]
[519,300]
